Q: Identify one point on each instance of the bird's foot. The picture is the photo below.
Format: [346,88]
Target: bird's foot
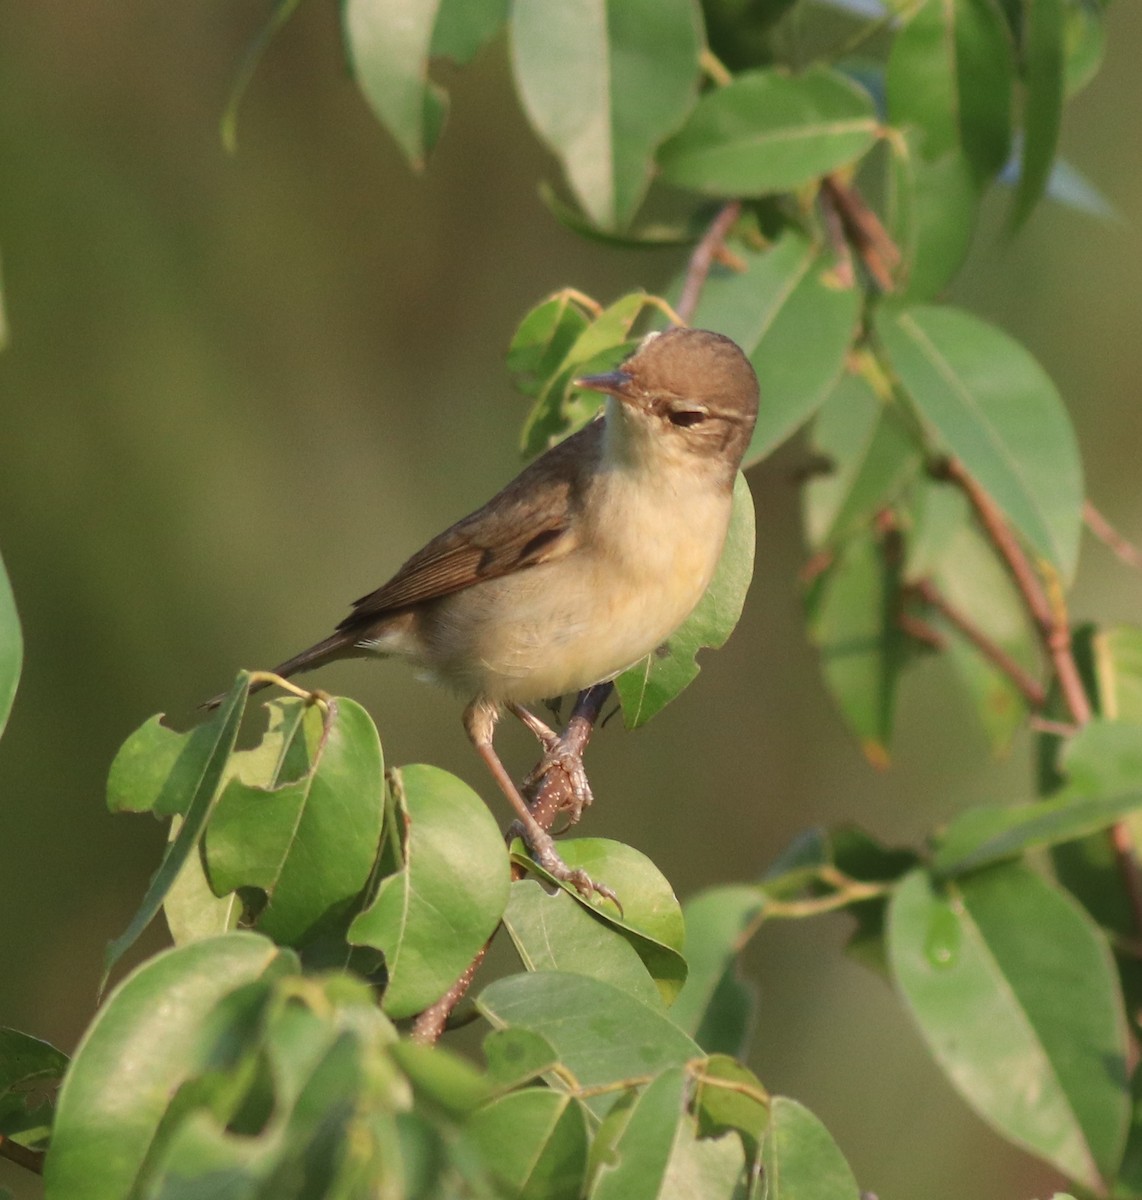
[560,754]
[542,847]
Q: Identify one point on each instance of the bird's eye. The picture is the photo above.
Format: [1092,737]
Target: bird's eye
[684,418]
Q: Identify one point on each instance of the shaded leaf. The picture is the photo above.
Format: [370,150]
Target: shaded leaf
[431,917]
[800,1159]
[853,622]
[388,43]
[187,781]
[281,13]
[995,409]
[769,132]
[950,73]
[650,685]
[789,314]
[731,1096]
[934,203]
[553,933]
[1043,105]
[304,832]
[871,454]
[30,1071]
[144,1044]
[981,836]
[602,1034]
[464,27]
[651,919]
[516,1056]
[11,644]
[603,82]
[535,1142]
[1015,992]
[716,1006]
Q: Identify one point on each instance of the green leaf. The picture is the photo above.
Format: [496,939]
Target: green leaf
[143,1045]
[554,933]
[281,13]
[978,587]
[872,456]
[191,908]
[1015,992]
[543,341]
[11,646]
[517,1056]
[30,1071]
[1129,1179]
[767,132]
[788,313]
[950,74]
[652,918]
[603,82]
[464,27]
[305,833]
[447,1081]
[603,1035]
[1118,665]
[981,836]
[650,685]
[1043,107]
[535,1142]
[431,917]
[853,623]
[1084,42]
[995,409]
[716,1007]
[175,773]
[731,1097]
[659,1156]
[934,203]
[1104,759]
[800,1159]
[388,42]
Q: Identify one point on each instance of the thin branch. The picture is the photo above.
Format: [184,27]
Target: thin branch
[30,1160]
[863,229]
[1102,529]
[1029,687]
[551,795]
[703,257]
[1049,611]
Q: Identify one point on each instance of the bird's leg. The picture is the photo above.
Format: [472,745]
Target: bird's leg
[561,752]
[480,722]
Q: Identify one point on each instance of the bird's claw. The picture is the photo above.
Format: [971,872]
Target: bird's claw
[545,854]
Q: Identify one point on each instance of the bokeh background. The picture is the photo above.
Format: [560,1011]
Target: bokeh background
[239,391]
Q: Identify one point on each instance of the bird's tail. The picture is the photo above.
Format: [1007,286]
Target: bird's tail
[337,645]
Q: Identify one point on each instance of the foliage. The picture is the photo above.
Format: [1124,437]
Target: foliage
[319,903]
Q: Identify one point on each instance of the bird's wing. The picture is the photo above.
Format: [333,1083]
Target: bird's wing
[529,522]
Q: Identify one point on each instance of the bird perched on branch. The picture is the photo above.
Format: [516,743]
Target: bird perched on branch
[584,564]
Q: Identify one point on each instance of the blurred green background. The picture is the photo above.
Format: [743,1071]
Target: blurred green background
[241,390]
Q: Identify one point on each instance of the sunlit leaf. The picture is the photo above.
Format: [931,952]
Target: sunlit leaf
[1015,991]
[994,408]
[431,917]
[800,1159]
[604,82]
[769,132]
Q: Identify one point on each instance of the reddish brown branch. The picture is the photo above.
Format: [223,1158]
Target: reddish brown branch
[550,796]
[1029,687]
[862,229]
[1054,628]
[30,1160]
[711,245]
[1122,548]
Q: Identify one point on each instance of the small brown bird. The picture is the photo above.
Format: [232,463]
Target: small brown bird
[584,564]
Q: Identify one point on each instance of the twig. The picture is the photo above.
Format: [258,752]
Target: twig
[1029,687]
[30,1160]
[916,627]
[1050,614]
[863,229]
[551,794]
[1121,547]
[703,257]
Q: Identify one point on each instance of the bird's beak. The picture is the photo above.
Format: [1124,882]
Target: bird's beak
[614,383]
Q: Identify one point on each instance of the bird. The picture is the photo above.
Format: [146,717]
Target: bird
[581,566]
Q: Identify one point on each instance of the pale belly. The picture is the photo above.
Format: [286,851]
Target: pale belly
[561,626]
